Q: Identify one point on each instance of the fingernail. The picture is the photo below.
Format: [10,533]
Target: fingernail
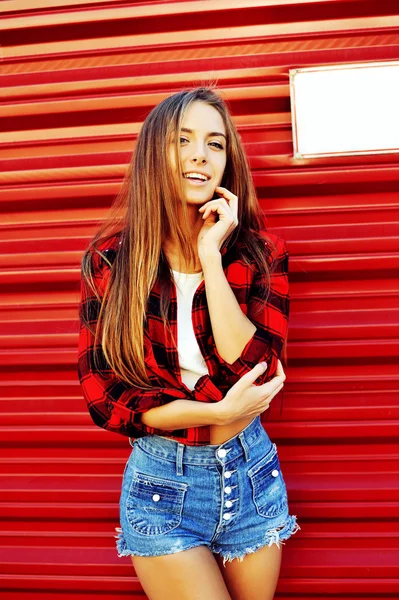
[263,364]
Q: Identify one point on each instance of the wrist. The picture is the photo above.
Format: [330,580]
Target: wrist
[210,259]
[222,415]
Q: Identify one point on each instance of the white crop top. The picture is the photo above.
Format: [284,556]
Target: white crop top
[192,364]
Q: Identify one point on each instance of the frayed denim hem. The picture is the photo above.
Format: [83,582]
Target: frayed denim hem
[121,543]
[123,550]
[273,536]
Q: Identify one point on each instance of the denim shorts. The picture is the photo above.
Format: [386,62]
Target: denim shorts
[230,497]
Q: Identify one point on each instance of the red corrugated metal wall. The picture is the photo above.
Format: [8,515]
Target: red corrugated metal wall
[77,80]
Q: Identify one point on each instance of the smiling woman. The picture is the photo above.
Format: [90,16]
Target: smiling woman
[200,158]
[201,152]
[184,316]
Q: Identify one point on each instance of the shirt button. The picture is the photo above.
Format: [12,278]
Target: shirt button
[228,504]
[227,474]
[156,497]
[226,516]
[199,327]
[222,453]
[275,473]
[227,490]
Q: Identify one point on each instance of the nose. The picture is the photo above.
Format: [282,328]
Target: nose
[199,155]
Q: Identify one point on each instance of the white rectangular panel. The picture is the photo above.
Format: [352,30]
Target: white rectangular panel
[345,109]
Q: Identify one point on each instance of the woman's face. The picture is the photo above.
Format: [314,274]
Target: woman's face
[203,152]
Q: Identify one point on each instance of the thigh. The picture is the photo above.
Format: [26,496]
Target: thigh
[255,578]
[188,575]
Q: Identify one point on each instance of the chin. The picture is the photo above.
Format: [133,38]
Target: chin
[200,199]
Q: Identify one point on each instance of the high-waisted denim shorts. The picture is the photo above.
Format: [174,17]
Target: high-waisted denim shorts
[230,497]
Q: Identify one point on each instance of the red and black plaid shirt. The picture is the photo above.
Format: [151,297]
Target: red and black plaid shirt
[116,406]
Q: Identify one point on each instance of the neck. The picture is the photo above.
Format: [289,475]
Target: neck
[170,245]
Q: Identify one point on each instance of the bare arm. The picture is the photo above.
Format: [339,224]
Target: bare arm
[181,414]
[231,329]
[244,399]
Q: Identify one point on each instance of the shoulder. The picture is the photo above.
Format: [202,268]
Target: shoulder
[275,239]
[274,245]
[270,244]
[103,252]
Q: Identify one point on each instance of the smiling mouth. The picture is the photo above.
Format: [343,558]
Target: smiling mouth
[197,178]
[197,182]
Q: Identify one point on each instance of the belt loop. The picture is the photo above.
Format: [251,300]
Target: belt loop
[244,445]
[130,442]
[179,458]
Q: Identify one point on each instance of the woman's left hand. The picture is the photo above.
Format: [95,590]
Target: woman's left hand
[220,219]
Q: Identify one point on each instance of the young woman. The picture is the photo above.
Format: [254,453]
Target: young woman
[184,300]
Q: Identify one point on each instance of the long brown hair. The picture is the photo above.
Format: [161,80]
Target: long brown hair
[144,213]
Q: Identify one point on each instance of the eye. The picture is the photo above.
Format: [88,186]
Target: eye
[218,145]
[182,139]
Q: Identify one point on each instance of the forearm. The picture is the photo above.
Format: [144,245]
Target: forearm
[180,414]
[231,329]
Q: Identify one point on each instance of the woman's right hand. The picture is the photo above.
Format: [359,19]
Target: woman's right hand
[244,399]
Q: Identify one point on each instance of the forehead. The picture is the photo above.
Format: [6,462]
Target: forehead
[203,118]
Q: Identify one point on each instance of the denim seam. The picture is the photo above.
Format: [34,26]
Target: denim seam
[122,549]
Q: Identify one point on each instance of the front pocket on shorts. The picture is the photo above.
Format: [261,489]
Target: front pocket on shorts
[154,505]
[268,487]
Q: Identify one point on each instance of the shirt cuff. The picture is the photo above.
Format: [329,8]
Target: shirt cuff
[256,350]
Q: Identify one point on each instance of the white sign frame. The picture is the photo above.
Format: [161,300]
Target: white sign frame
[345,110]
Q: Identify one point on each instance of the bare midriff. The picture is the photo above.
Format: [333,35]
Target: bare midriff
[222,433]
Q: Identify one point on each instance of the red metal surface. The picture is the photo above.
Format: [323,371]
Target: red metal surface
[77,79]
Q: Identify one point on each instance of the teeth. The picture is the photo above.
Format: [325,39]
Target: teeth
[196,175]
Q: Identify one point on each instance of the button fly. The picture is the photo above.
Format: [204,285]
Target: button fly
[228,504]
[227,474]
[226,516]
[222,452]
[275,473]
[227,490]
[156,497]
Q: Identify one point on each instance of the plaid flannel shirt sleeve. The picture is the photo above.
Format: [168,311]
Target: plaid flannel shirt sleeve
[112,403]
[270,319]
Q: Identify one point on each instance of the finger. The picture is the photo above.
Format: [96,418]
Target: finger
[253,374]
[210,209]
[221,201]
[232,198]
[280,371]
[217,202]
[270,386]
[226,193]
[277,379]
[274,392]
[224,213]
[278,389]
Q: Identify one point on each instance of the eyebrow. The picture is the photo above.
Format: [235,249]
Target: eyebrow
[211,133]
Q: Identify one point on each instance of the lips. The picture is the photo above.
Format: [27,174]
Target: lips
[196,176]
[196,182]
